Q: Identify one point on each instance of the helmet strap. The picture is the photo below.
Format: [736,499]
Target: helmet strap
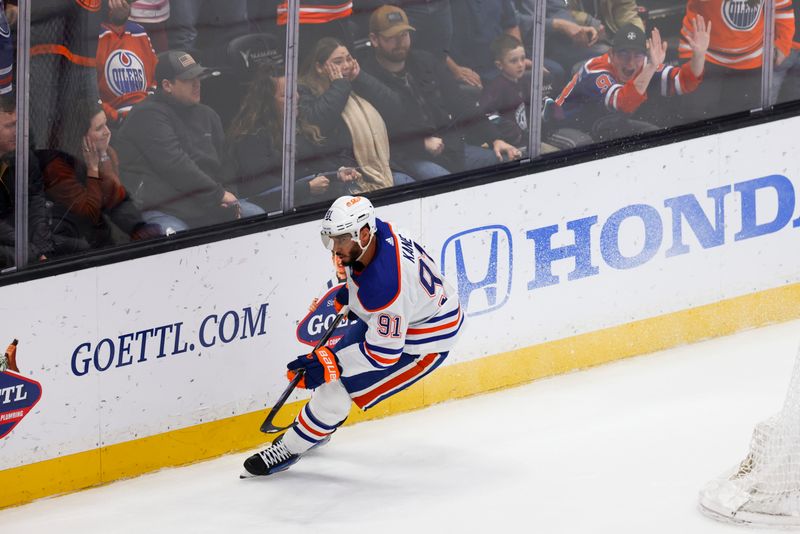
[364,249]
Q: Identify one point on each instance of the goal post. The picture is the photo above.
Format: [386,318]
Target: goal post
[764,488]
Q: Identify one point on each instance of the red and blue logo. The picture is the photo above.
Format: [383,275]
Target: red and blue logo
[18,396]
[314,325]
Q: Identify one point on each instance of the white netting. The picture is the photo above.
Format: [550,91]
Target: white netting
[765,488]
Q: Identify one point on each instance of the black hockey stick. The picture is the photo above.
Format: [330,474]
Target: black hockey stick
[267,427]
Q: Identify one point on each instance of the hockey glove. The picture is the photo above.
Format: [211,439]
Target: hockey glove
[320,366]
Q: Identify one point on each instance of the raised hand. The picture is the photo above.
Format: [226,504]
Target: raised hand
[90,154]
[333,71]
[699,35]
[355,71]
[656,49]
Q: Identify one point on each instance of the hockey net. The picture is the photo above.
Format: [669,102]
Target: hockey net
[764,489]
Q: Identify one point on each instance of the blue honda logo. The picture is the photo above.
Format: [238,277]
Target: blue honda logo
[483,259]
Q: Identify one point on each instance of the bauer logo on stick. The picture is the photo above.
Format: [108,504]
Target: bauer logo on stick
[18,395]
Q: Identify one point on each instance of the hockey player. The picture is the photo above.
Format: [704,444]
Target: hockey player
[409,319]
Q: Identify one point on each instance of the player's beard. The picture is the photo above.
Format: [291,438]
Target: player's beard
[352,257]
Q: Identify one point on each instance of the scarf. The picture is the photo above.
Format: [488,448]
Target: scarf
[370,144]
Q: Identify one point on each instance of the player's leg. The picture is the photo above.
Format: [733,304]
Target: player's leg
[368,389]
[319,418]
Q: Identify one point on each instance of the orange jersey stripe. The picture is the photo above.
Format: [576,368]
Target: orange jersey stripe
[307,427]
[413,331]
[421,365]
[44,49]
[381,359]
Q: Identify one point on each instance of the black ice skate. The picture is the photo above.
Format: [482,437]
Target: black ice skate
[273,459]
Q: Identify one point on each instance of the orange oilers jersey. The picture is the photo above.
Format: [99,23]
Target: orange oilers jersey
[126,66]
[595,90]
[737,29]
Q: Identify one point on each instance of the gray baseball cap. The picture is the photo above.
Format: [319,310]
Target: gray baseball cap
[181,65]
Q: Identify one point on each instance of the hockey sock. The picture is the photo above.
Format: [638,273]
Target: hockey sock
[328,408]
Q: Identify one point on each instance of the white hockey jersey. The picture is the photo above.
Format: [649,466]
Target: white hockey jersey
[407,304]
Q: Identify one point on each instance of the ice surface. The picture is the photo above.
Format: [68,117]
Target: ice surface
[622,448]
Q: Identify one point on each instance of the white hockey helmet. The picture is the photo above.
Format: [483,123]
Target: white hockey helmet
[347,216]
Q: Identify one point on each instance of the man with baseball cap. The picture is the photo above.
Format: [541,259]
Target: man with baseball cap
[171,151]
[603,96]
[427,138]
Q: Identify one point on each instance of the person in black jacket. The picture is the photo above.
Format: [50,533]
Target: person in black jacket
[429,136]
[171,149]
[40,239]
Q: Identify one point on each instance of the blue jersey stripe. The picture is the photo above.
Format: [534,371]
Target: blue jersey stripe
[442,317]
[383,350]
[435,338]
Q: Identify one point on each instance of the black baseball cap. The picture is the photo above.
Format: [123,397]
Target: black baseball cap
[630,37]
[181,65]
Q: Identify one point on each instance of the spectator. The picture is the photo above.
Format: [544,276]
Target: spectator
[170,149]
[86,191]
[317,18]
[732,80]
[7,51]
[338,98]
[428,136]
[11,13]
[432,20]
[255,142]
[607,16]
[603,96]
[40,239]
[152,16]
[205,27]
[568,43]
[786,78]
[62,67]
[126,63]
[433,23]
[507,95]
[476,24]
